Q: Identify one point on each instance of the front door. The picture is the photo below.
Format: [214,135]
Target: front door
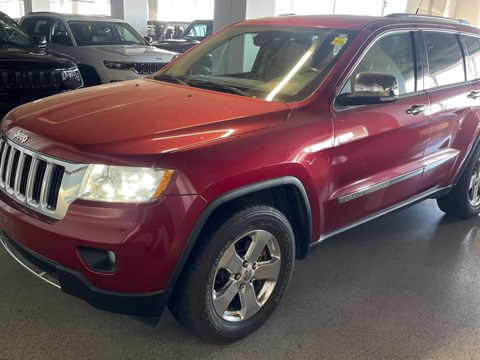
[377,158]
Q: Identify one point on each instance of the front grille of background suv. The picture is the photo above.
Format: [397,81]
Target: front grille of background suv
[31,79]
[144,68]
[38,182]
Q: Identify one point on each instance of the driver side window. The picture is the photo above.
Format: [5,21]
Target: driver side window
[391,54]
[60,34]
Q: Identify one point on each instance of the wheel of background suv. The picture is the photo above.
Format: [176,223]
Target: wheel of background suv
[237,275]
[464,200]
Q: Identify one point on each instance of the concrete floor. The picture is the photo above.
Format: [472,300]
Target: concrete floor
[406,286]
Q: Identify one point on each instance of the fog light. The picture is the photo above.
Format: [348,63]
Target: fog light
[98,259]
[112,257]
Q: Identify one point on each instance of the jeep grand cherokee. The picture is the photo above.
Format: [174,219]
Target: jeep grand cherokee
[199,186]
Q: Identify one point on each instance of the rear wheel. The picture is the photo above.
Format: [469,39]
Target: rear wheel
[464,200]
[237,276]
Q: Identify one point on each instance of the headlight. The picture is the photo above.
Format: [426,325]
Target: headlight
[71,75]
[123,184]
[118,65]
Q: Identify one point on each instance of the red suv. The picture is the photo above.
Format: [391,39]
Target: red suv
[199,186]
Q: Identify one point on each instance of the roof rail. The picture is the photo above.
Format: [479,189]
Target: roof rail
[430,17]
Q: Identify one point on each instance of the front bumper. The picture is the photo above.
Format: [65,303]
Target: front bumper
[74,283]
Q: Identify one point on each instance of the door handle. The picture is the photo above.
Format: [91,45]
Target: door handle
[474,94]
[416,109]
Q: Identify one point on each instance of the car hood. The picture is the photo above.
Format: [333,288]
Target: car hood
[31,59]
[130,53]
[137,117]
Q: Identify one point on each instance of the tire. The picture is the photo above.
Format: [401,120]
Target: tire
[237,275]
[464,200]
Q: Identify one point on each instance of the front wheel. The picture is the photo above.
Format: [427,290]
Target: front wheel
[237,275]
[464,200]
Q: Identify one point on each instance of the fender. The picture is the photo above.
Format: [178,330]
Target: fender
[227,197]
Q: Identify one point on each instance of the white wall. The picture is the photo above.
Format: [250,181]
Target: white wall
[185,10]
[353,7]
[13,9]
[98,7]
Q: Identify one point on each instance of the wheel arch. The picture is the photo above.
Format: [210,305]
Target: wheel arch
[462,167]
[89,74]
[287,194]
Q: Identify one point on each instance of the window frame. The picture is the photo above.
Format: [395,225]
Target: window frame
[425,62]
[466,53]
[418,59]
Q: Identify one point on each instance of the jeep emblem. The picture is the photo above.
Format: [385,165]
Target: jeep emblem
[21,136]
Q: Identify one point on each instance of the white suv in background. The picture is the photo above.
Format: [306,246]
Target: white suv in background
[106,49]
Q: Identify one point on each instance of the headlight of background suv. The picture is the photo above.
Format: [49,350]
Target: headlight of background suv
[118,65]
[72,78]
[123,184]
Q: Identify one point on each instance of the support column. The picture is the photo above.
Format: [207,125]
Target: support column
[36,5]
[134,12]
[227,12]
[152,9]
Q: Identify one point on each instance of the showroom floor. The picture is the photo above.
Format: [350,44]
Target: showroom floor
[406,286]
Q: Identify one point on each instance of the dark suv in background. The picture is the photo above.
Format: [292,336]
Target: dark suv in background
[196,31]
[27,72]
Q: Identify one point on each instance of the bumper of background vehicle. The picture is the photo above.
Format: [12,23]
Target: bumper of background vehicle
[73,283]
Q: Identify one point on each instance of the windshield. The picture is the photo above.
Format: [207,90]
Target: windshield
[197,30]
[271,63]
[104,33]
[11,34]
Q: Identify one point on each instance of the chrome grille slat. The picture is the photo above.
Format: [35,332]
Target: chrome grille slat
[5,162]
[23,184]
[15,157]
[39,173]
[44,184]
[2,157]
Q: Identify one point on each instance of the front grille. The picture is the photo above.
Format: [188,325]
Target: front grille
[41,183]
[31,79]
[146,68]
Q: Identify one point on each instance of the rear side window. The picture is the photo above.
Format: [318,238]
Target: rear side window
[472,56]
[444,60]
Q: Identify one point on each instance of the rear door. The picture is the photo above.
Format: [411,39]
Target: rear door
[378,151]
[454,94]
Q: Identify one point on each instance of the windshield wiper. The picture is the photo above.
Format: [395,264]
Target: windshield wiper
[170,79]
[214,85]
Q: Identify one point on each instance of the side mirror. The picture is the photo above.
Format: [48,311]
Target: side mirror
[40,40]
[148,39]
[371,88]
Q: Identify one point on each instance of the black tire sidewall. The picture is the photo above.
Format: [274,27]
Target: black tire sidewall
[267,219]
[464,186]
